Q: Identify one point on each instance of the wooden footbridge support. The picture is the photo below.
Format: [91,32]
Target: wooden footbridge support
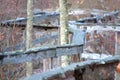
[87,70]
[40,53]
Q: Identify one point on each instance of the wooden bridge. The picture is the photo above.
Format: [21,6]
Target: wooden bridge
[40,53]
[75,71]
[86,70]
[18,58]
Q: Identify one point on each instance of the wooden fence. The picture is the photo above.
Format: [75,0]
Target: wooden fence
[13,64]
[41,53]
[103,69]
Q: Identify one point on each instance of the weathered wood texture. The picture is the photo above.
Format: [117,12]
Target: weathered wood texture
[16,60]
[40,53]
[103,69]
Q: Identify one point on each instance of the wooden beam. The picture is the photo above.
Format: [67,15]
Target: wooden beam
[40,53]
[61,71]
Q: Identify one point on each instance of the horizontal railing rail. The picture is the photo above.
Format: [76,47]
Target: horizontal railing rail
[40,53]
[61,72]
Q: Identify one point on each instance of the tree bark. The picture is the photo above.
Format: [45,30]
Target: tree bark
[63,28]
[29,34]
[29,28]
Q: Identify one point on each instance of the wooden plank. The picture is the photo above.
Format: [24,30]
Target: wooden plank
[72,67]
[40,53]
[46,54]
[67,51]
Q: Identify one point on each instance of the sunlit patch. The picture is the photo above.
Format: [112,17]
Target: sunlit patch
[118,68]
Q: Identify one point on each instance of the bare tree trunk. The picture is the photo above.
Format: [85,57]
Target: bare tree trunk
[29,28]
[63,28]
[29,34]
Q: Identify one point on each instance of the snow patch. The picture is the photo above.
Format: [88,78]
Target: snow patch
[99,28]
[77,11]
[94,56]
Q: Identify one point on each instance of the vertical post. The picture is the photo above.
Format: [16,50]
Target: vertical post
[46,64]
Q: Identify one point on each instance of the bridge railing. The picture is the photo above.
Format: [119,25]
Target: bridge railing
[17,60]
[87,70]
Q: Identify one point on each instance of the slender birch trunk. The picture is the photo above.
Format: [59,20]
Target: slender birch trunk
[29,28]
[63,28]
[29,34]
